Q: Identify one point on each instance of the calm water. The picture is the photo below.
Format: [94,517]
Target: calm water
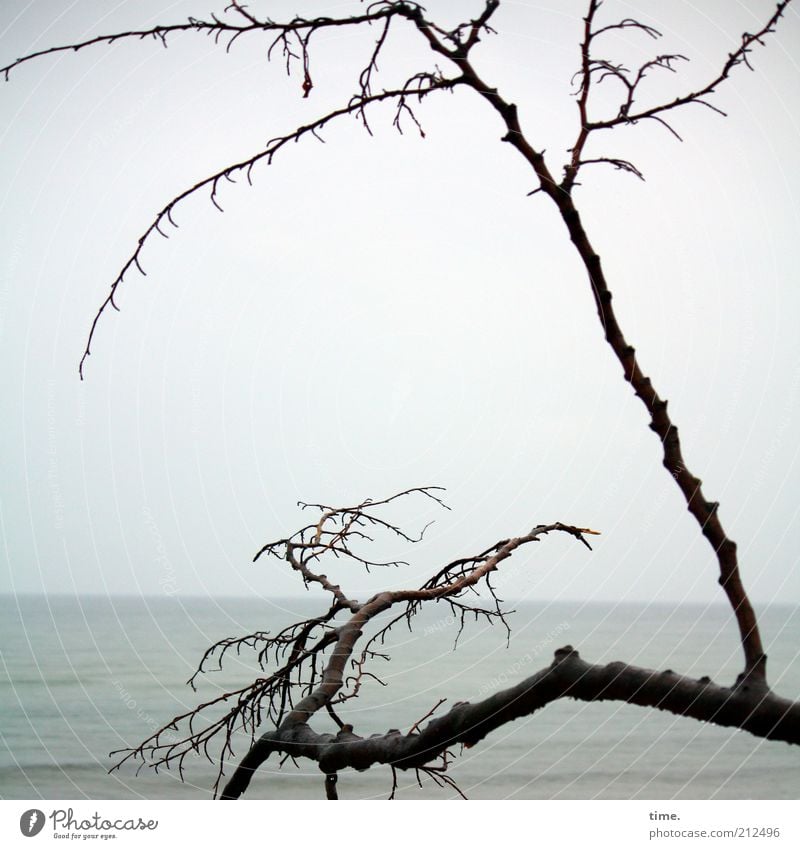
[83,676]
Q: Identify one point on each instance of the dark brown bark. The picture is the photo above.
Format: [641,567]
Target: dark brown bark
[752,709]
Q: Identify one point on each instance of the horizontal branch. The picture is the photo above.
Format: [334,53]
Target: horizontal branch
[753,709]
[217,29]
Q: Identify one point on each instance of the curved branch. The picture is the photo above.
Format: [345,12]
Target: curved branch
[159,33]
[619,164]
[349,633]
[571,170]
[752,709]
[357,105]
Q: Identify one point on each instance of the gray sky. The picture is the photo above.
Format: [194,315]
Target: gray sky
[380,313]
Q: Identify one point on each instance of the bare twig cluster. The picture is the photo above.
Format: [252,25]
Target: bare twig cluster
[314,662]
[631,110]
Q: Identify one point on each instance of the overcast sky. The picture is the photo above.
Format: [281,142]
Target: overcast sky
[386,312]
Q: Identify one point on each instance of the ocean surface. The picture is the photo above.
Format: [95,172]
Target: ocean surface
[83,676]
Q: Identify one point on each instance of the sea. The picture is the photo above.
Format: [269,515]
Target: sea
[84,676]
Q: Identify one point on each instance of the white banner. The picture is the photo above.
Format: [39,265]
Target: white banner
[486,824]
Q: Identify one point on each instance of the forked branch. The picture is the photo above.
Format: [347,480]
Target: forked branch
[702,509]
[594,71]
[311,658]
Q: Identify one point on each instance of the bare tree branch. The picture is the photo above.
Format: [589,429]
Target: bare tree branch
[316,663]
[597,70]
[312,656]
[704,511]
[752,709]
[619,164]
[357,105]
[737,57]
[293,39]
[216,28]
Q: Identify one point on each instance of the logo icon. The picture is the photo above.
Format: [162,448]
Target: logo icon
[31,822]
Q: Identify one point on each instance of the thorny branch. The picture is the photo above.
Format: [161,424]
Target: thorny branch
[705,512]
[292,39]
[415,88]
[228,31]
